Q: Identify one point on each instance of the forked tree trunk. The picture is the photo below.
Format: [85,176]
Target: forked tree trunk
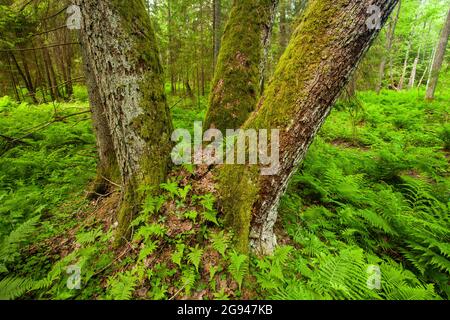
[118,40]
[439,59]
[237,79]
[325,49]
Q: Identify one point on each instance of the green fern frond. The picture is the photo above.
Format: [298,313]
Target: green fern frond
[13,287]
[238,267]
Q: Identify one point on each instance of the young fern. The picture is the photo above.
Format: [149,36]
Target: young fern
[195,256]
[238,267]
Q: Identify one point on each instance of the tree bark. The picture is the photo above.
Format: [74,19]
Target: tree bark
[405,66]
[217,28]
[13,79]
[412,78]
[107,167]
[317,64]
[283,38]
[237,79]
[266,37]
[389,42]
[26,79]
[118,41]
[439,58]
[173,82]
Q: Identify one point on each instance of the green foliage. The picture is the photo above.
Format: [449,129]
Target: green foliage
[11,287]
[370,203]
[177,256]
[374,197]
[11,244]
[148,231]
[195,257]
[122,286]
[238,267]
[220,242]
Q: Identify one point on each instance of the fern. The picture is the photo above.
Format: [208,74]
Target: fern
[177,256]
[188,278]
[172,188]
[238,267]
[343,276]
[210,216]
[153,230]
[10,245]
[195,257]
[148,249]
[220,242]
[88,237]
[122,286]
[13,287]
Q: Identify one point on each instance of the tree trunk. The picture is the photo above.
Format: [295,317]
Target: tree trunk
[217,28]
[51,75]
[439,58]
[266,37]
[236,82]
[173,82]
[202,49]
[283,38]
[317,64]
[412,78]
[13,79]
[26,79]
[118,41]
[405,66]
[389,42]
[107,167]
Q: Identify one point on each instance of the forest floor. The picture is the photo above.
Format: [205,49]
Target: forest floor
[365,217]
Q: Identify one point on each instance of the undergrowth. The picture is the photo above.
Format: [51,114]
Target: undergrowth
[365,217]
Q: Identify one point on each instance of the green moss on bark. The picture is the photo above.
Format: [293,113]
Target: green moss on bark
[238,191]
[241,187]
[235,86]
[309,46]
[153,125]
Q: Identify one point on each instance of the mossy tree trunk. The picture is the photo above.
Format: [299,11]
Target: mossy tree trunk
[325,49]
[241,63]
[118,41]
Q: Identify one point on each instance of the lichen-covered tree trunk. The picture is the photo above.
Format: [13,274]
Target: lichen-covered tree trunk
[325,49]
[107,167]
[118,40]
[240,64]
[439,59]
